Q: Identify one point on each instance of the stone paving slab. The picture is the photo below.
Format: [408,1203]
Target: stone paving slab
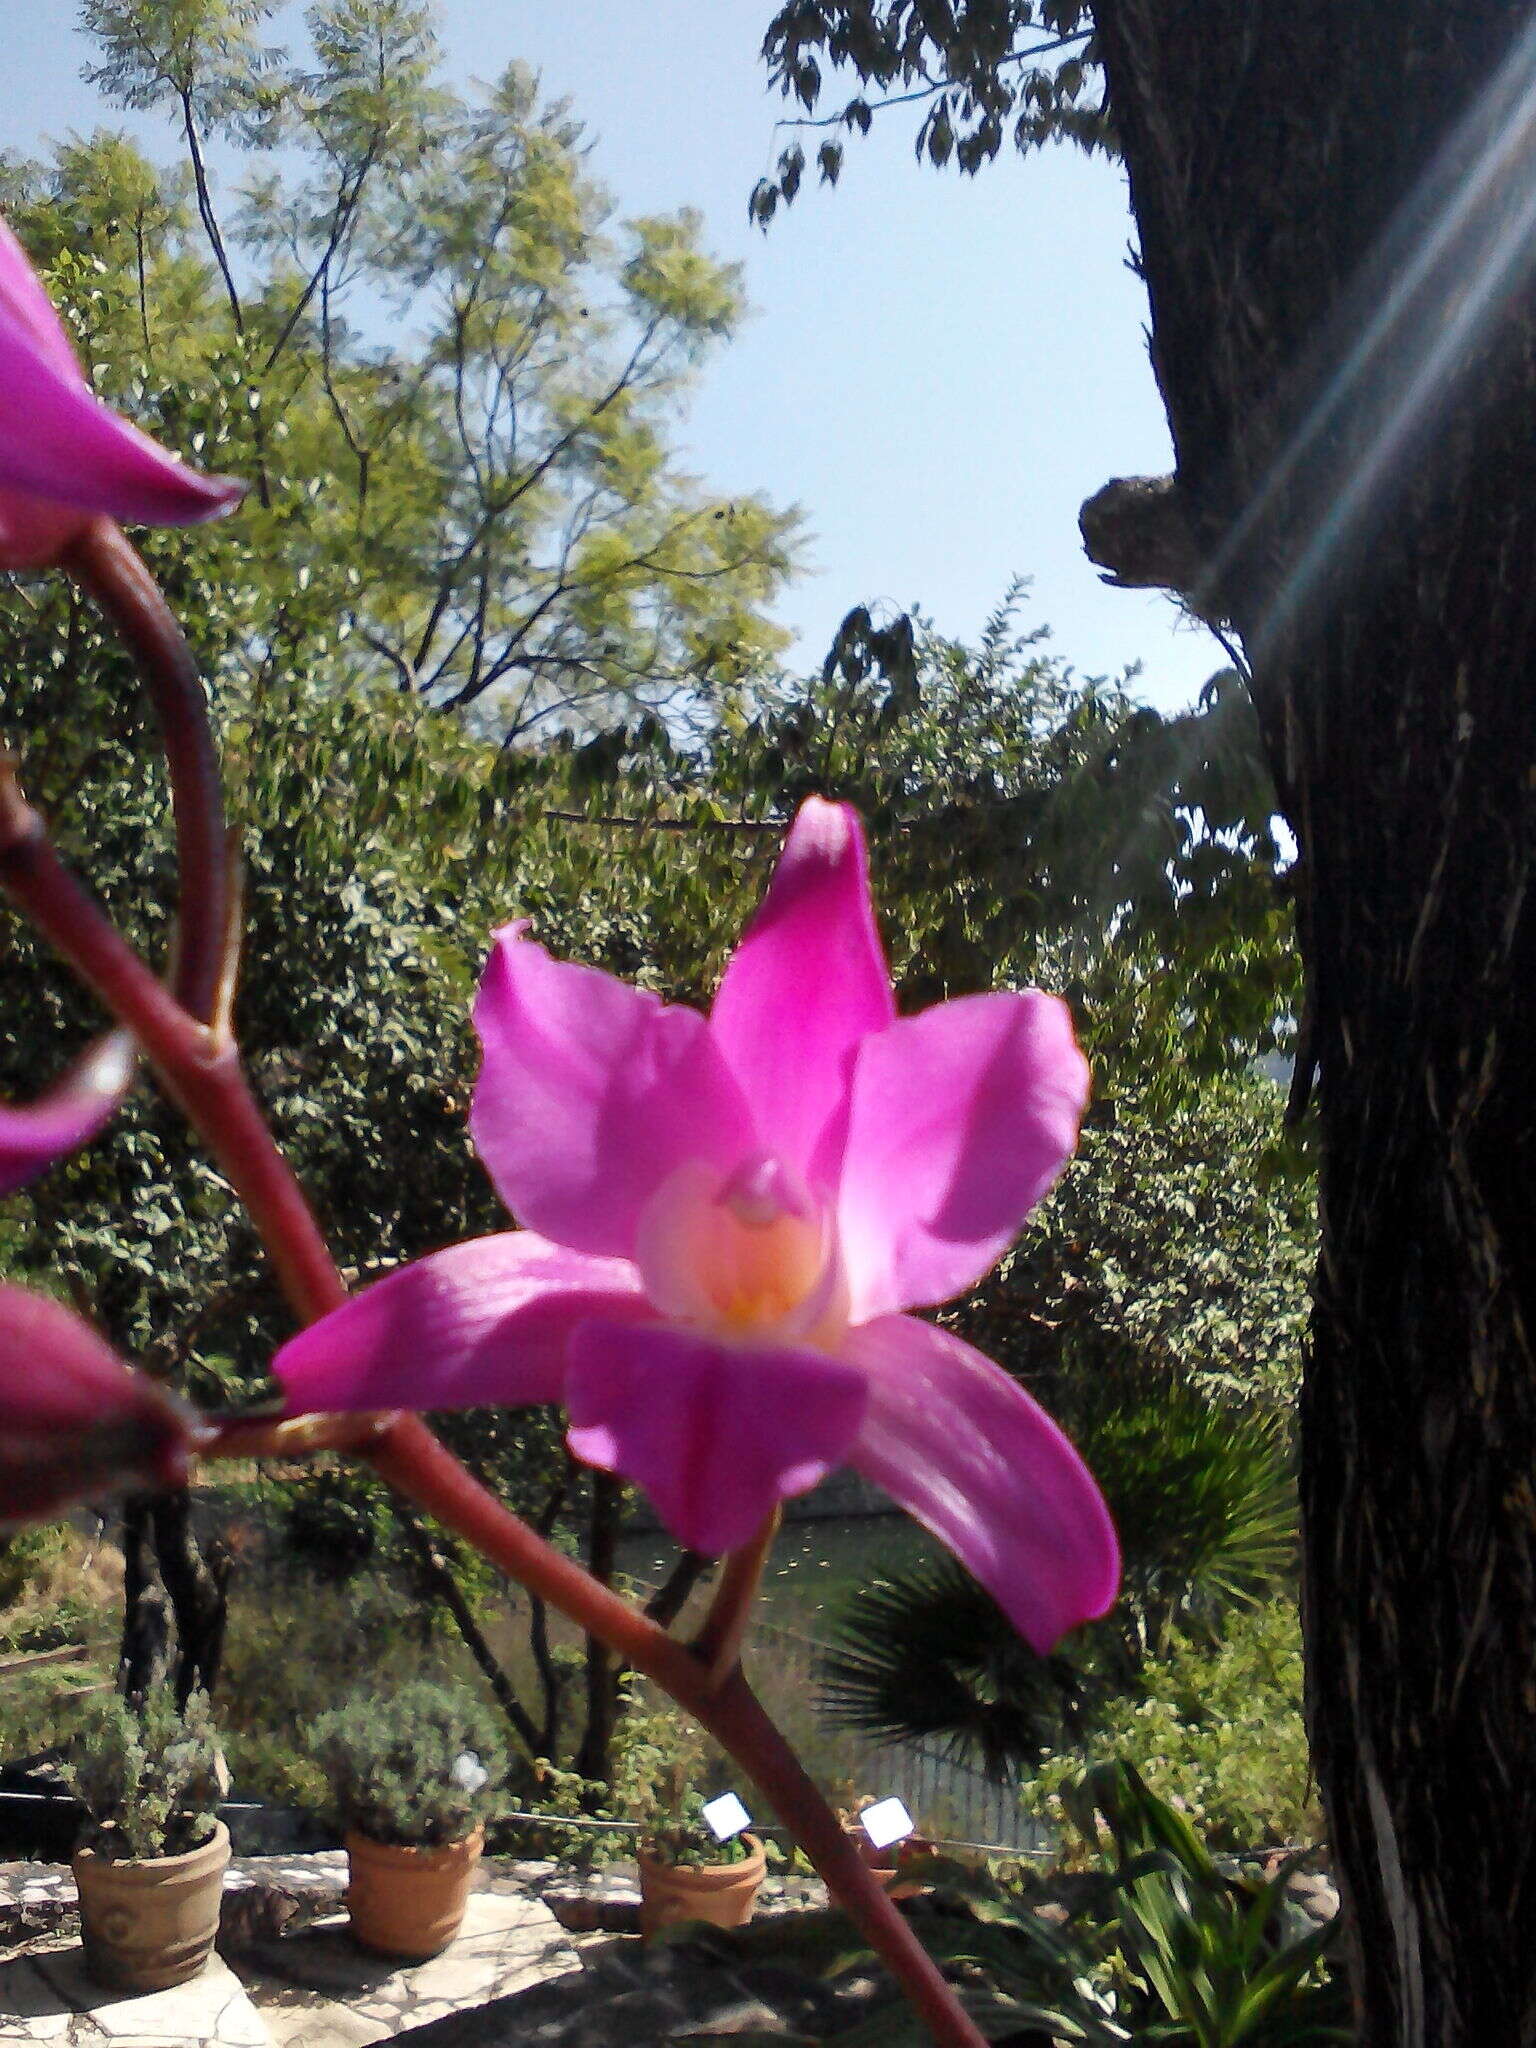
[318,1989]
[46,1997]
[632,1996]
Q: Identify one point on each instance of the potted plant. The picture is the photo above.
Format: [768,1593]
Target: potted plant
[686,1871]
[150,1868]
[412,1775]
[891,1863]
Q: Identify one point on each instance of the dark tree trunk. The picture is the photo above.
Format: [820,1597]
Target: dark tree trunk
[175,1600]
[144,1654]
[198,1586]
[1269,148]
[604,1671]
[437,1569]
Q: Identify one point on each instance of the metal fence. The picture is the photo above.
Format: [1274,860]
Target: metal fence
[961,1804]
[953,1801]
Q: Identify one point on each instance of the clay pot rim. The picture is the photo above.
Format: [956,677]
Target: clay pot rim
[756,1863]
[209,1850]
[419,1855]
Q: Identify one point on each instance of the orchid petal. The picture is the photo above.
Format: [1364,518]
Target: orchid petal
[65,458]
[966,1451]
[807,982]
[591,1094]
[958,1122]
[717,1434]
[24,298]
[75,1419]
[34,1134]
[482,1323]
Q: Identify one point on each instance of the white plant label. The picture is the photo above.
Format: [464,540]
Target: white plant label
[885,1822]
[726,1816]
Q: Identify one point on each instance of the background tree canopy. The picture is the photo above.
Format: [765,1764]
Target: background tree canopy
[448,372]
[980,72]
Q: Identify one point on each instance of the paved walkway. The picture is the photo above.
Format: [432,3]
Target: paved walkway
[279,1983]
[289,1976]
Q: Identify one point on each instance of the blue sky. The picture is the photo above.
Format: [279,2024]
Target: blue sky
[937,370]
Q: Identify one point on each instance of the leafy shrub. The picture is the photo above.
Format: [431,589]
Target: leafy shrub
[148,1777]
[418,1767]
[22,1554]
[1218,1733]
[664,1769]
[335,1520]
[1181,1240]
[54,1588]
[1211,1959]
[1156,1943]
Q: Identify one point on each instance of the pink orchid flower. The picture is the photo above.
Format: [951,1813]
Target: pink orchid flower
[65,458]
[727,1220]
[75,1420]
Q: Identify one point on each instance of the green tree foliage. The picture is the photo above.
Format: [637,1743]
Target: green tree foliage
[1216,1729]
[395,842]
[384,843]
[450,375]
[982,72]
[1181,1240]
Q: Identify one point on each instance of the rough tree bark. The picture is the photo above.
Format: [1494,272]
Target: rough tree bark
[595,1755]
[175,1600]
[1269,146]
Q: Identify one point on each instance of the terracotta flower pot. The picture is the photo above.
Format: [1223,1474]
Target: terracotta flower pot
[409,1902]
[150,1922]
[885,1866]
[721,1893]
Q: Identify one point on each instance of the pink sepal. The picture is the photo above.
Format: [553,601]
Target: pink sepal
[482,1324]
[717,1433]
[965,1450]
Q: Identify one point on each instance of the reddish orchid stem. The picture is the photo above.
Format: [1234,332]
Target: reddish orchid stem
[201,1071]
[109,570]
[718,1642]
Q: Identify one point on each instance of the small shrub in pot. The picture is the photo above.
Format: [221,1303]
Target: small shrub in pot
[413,1775]
[686,1872]
[150,1869]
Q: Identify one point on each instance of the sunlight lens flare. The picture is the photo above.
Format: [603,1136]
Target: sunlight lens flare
[1460,250]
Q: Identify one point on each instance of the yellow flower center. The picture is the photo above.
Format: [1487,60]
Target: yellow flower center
[748,1255]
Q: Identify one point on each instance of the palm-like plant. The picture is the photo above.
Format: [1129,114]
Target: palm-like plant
[1205,1504]
[1204,1498]
[926,1654]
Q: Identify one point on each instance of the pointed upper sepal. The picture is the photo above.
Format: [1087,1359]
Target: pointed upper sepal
[806,983]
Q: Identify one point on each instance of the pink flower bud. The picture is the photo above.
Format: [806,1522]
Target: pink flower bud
[75,1420]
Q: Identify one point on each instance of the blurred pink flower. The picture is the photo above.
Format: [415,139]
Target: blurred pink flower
[34,1134]
[65,458]
[75,1421]
[726,1219]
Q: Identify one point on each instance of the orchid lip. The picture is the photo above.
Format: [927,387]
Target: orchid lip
[749,1256]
